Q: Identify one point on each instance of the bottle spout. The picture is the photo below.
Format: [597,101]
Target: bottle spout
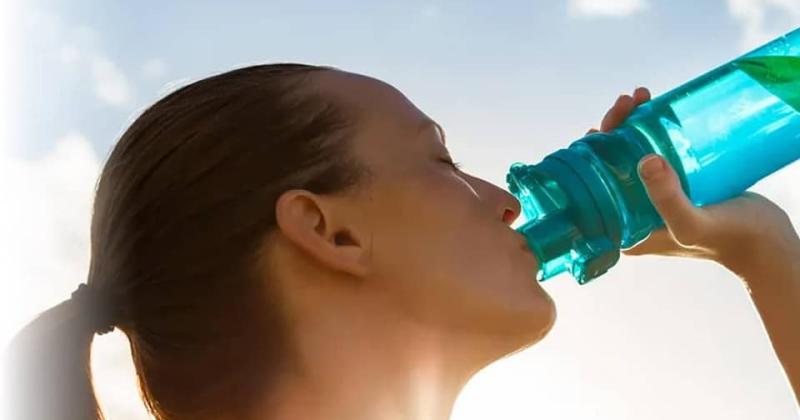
[551,239]
[571,225]
[538,194]
[547,230]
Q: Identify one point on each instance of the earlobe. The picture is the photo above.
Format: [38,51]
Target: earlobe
[319,227]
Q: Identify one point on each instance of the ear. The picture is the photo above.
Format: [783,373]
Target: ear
[319,226]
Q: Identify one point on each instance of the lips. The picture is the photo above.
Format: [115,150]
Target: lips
[524,246]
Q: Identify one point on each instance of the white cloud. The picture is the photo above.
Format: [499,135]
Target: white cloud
[9,54]
[154,68]
[80,46]
[44,254]
[605,8]
[430,11]
[174,85]
[774,187]
[763,20]
[114,378]
[44,227]
[109,82]
[69,54]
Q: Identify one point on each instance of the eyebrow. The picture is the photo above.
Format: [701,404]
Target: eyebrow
[427,123]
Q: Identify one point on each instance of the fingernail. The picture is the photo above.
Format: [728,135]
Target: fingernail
[651,166]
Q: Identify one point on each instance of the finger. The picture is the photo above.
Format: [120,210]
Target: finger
[617,114]
[684,220]
[661,242]
[592,131]
[657,242]
[641,95]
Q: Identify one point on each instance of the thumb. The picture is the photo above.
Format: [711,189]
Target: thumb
[685,222]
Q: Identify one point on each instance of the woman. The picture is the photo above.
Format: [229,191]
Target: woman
[294,242]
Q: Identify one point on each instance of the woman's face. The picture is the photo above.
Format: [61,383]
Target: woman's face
[443,251]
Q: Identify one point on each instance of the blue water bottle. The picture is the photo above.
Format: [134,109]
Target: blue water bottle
[722,132]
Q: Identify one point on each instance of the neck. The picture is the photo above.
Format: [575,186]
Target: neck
[377,369]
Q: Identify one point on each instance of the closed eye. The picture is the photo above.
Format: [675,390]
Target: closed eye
[455,165]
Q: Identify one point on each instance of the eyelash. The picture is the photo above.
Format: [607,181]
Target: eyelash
[455,165]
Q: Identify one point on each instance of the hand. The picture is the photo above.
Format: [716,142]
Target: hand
[744,233]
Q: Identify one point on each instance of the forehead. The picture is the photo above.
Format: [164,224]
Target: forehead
[378,104]
[388,137]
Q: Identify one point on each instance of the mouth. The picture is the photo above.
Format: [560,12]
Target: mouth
[524,246]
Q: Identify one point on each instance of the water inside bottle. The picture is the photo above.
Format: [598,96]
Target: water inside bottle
[722,131]
[742,118]
[777,74]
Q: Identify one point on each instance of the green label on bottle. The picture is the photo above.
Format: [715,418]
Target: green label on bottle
[780,75]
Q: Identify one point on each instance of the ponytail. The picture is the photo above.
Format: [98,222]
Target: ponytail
[48,369]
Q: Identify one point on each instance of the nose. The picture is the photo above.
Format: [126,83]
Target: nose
[505,206]
[510,208]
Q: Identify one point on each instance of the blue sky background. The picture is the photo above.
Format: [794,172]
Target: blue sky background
[655,338]
[528,62]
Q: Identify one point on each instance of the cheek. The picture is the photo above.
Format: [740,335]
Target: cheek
[443,258]
[487,268]
[422,228]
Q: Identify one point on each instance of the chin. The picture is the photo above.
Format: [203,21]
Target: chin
[505,332]
[551,320]
[537,324]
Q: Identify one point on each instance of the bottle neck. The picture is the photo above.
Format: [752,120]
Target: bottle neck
[574,224]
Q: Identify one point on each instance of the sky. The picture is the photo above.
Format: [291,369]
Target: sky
[654,338]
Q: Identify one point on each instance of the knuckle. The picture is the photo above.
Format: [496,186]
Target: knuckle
[668,198]
[695,231]
[691,235]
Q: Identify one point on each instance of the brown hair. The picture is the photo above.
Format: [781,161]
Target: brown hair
[183,206]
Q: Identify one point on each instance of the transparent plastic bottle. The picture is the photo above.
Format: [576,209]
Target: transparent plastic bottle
[722,132]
